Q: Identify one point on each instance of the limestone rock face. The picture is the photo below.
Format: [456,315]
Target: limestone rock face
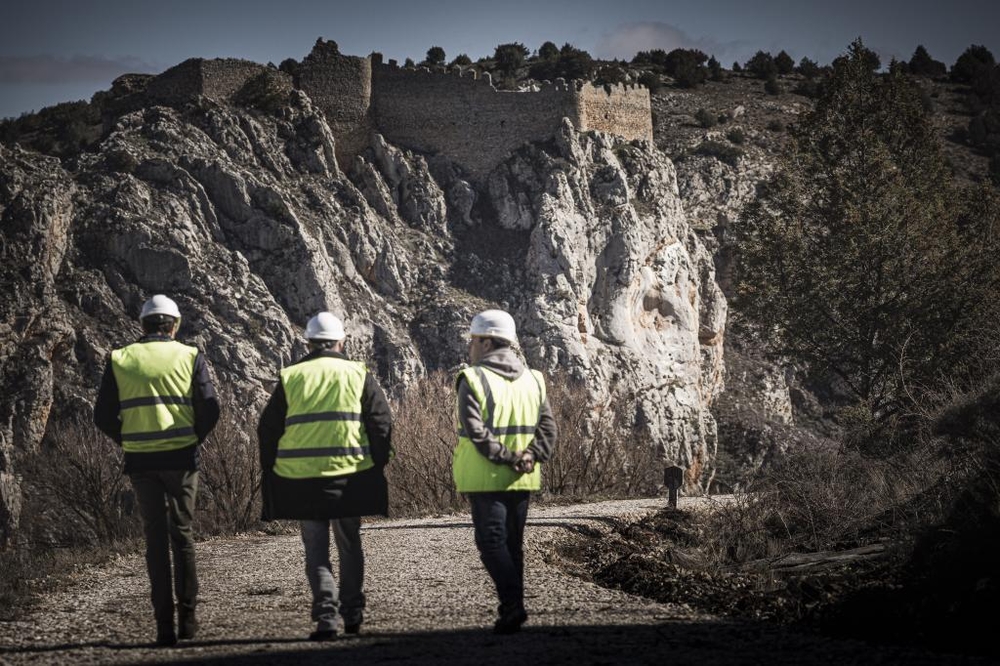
[246,221]
[618,289]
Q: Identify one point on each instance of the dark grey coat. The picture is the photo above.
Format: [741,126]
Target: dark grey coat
[361,494]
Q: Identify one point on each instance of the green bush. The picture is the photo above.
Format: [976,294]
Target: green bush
[548,51]
[571,63]
[761,65]
[435,56]
[972,63]
[922,64]
[736,135]
[715,70]
[686,66]
[705,118]
[808,68]
[510,57]
[651,81]
[784,64]
[724,152]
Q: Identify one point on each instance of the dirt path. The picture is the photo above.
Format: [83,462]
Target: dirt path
[429,601]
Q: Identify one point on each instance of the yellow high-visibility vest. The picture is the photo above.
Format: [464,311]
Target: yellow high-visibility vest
[324,434]
[510,410]
[155,395]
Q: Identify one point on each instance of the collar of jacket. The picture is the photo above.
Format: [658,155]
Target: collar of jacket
[155,337]
[503,361]
[324,353]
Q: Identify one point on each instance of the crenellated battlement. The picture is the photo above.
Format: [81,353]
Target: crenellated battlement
[453,111]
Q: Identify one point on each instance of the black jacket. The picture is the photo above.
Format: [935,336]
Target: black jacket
[107,417]
[360,494]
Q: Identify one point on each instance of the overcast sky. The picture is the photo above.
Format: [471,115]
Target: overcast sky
[56,51]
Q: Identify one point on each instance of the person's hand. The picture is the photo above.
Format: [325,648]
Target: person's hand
[525,463]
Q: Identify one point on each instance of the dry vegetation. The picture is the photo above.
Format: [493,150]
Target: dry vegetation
[898,549]
[80,508]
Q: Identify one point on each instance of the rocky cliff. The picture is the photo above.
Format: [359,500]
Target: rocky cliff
[245,219]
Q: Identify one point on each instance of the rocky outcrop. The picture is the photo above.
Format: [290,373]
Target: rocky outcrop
[246,220]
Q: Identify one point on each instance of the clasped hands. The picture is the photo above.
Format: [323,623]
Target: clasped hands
[524,463]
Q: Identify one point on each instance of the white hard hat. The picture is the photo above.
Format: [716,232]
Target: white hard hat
[159,305]
[494,324]
[325,326]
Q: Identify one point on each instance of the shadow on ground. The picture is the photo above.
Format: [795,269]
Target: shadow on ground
[685,642]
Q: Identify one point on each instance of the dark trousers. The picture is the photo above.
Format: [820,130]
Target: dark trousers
[499,520]
[166,503]
[328,597]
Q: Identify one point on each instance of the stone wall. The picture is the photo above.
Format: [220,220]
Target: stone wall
[342,87]
[465,117]
[461,116]
[219,79]
[623,110]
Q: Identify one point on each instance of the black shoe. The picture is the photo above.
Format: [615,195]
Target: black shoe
[352,628]
[166,637]
[510,620]
[324,635]
[187,626]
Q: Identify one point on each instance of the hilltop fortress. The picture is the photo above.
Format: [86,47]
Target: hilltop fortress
[458,114]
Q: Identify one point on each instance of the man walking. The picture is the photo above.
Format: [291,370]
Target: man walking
[505,428]
[157,401]
[325,437]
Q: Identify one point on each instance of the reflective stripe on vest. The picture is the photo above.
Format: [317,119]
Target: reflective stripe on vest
[510,410]
[324,434]
[155,395]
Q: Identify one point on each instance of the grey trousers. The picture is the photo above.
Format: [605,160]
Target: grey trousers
[166,504]
[349,599]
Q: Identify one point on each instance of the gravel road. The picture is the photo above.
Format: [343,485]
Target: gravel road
[429,601]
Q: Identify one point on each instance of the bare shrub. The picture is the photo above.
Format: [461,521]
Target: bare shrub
[821,499]
[423,436]
[599,452]
[75,494]
[230,476]
[78,509]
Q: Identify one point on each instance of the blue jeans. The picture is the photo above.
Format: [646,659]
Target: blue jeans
[499,518]
[349,599]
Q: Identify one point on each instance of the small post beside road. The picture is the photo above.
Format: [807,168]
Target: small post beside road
[673,478]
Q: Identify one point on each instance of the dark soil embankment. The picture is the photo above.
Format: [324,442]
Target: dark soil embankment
[875,592]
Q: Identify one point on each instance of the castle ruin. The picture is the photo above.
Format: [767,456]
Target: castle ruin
[458,114]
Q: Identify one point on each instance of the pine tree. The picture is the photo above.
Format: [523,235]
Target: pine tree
[861,260]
